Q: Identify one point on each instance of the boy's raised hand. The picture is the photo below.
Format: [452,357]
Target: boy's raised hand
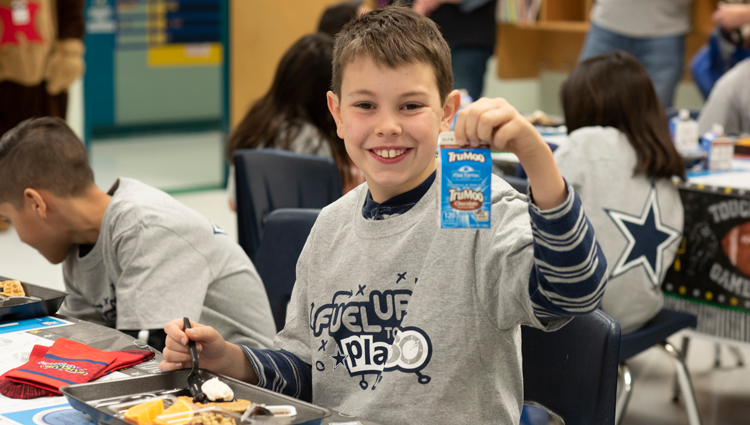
[498,122]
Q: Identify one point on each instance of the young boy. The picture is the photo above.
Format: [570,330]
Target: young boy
[393,319]
[134,257]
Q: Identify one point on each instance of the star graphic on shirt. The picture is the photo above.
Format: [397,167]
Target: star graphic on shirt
[647,239]
[339,358]
[217,230]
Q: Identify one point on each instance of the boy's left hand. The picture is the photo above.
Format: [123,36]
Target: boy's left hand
[498,122]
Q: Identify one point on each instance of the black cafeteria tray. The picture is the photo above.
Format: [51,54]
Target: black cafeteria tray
[84,397]
[50,302]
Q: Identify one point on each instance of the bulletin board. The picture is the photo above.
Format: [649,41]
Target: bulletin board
[154,65]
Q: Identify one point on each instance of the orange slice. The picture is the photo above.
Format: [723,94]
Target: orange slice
[145,413]
[180,406]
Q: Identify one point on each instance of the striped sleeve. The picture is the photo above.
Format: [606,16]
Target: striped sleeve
[570,271]
[282,372]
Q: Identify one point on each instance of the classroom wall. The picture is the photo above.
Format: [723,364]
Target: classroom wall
[261,31]
[543,93]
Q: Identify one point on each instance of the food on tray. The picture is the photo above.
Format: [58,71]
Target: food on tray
[282,411]
[145,413]
[209,418]
[11,288]
[540,118]
[180,406]
[238,405]
[216,390]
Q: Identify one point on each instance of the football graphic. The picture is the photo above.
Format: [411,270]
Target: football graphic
[736,246]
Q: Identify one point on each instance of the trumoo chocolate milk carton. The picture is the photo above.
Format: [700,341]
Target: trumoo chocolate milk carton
[464,176]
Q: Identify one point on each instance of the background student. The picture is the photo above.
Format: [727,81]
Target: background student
[133,257]
[729,102]
[391,318]
[292,115]
[469,28]
[620,159]
[651,30]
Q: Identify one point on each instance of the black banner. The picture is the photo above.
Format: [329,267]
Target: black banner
[712,265]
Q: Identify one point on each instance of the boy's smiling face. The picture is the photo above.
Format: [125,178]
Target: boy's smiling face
[389,119]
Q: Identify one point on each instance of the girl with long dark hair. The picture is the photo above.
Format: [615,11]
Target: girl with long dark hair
[621,160]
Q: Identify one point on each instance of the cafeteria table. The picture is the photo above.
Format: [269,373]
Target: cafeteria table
[18,337]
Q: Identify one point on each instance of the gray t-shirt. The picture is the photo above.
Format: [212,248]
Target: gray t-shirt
[729,102]
[632,216]
[457,351]
[643,18]
[156,260]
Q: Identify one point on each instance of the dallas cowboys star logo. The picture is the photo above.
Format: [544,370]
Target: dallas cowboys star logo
[647,239]
[339,358]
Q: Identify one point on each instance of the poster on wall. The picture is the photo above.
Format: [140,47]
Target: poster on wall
[710,276]
[153,65]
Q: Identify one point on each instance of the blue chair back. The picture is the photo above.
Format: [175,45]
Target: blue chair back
[284,237]
[269,179]
[572,372]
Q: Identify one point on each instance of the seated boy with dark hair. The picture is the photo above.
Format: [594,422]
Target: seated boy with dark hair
[134,257]
[393,319]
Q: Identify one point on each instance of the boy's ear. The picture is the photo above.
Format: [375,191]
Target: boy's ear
[452,104]
[335,108]
[34,200]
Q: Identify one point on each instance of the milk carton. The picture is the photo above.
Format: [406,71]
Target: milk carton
[684,132]
[464,176]
[719,149]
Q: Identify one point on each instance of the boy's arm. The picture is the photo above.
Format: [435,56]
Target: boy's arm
[281,371]
[569,273]
[570,270]
[276,370]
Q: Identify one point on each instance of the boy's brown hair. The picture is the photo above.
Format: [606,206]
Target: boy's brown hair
[42,153]
[393,36]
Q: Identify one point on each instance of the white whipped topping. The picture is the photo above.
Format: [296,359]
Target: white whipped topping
[216,390]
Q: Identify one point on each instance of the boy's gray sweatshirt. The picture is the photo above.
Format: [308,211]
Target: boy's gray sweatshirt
[400,322]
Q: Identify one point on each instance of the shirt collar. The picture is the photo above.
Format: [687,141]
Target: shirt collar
[397,205]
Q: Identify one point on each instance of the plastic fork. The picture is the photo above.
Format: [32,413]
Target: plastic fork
[195,380]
